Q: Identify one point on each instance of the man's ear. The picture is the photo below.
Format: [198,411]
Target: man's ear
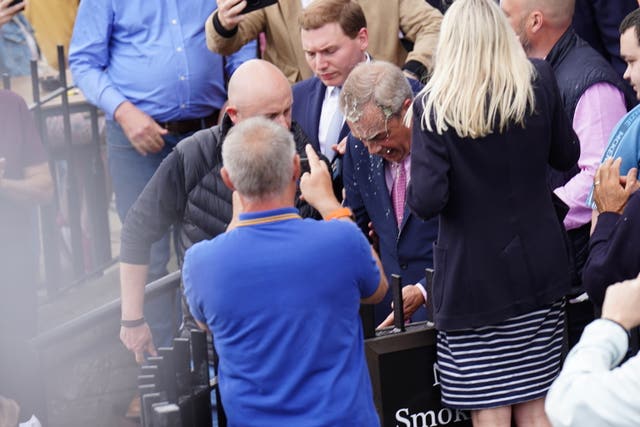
[363,39]
[225,178]
[405,107]
[232,112]
[297,169]
[536,20]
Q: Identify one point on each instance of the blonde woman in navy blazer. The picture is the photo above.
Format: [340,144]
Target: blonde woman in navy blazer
[486,128]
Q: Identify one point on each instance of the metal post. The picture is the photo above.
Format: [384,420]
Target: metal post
[71,182]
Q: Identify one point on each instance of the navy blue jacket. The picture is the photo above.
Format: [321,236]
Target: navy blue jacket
[406,251]
[614,253]
[308,96]
[500,249]
[577,67]
[597,22]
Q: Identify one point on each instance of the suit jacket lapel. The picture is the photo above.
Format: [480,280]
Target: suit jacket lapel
[405,216]
[316,97]
[344,131]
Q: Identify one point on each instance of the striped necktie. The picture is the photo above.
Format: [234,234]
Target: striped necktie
[398,191]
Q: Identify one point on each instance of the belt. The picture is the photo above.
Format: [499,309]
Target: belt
[191,125]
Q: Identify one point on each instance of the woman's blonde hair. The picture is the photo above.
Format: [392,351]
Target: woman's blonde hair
[481,77]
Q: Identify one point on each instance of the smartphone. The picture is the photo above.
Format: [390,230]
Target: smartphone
[254,5]
[15,2]
[304,165]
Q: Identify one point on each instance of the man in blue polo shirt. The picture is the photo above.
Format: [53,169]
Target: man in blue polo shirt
[286,326]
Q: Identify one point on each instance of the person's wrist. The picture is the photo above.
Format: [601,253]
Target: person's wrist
[132,323]
[122,110]
[338,213]
[618,321]
[221,28]
[325,204]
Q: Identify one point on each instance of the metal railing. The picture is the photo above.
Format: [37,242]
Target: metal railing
[73,163]
[106,312]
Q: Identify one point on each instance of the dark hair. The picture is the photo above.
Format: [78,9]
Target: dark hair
[631,20]
[347,13]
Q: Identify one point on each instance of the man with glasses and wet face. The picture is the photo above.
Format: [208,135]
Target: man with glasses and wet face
[375,98]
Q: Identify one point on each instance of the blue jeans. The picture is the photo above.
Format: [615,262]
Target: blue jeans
[130,172]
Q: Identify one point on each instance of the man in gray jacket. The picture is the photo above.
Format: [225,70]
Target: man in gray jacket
[187,192]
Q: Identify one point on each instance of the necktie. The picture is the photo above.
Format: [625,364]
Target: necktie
[335,126]
[398,191]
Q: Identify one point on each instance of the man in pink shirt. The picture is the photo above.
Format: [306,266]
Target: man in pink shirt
[595,98]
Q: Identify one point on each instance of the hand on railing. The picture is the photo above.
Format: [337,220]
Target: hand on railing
[139,340]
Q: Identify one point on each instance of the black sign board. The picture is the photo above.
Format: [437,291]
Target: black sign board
[404,376]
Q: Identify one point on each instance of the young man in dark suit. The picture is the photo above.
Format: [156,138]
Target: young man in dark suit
[335,39]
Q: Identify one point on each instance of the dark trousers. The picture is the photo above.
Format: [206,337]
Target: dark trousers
[582,313]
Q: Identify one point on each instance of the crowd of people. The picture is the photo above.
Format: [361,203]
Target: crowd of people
[302,153]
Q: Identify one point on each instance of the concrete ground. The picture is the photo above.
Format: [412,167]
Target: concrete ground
[89,376]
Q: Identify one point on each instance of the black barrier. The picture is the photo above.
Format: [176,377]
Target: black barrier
[404,373]
[109,311]
[106,314]
[178,393]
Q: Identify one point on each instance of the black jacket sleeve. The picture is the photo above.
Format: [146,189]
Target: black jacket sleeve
[614,252]
[161,204]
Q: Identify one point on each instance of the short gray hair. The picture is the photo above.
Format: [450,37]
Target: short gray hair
[258,156]
[377,82]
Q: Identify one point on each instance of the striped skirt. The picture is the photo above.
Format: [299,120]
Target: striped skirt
[510,362]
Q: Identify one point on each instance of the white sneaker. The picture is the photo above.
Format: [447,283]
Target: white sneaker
[32,422]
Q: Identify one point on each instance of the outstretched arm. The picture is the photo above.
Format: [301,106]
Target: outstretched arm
[590,389]
[35,187]
[137,339]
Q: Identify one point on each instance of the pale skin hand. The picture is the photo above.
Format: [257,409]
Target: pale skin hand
[316,187]
[138,340]
[412,300]
[142,131]
[229,13]
[611,191]
[7,13]
[36,186]
[373,237]
[341,147]
[621,303]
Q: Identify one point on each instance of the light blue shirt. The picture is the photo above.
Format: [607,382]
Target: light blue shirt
[15,54]
[624,142]
[152,53]
[592,390]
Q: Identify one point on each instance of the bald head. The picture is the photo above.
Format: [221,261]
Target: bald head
[558,13]
[539,23]
[258,88]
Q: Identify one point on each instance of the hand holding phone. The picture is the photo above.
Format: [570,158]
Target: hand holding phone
[231,12]
[8,9]
[304,165]
[257,4]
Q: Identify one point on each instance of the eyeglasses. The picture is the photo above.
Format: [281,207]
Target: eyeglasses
[380,136]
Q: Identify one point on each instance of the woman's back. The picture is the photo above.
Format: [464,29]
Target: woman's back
[499,232]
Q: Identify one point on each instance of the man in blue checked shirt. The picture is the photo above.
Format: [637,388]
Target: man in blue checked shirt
[145,63]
